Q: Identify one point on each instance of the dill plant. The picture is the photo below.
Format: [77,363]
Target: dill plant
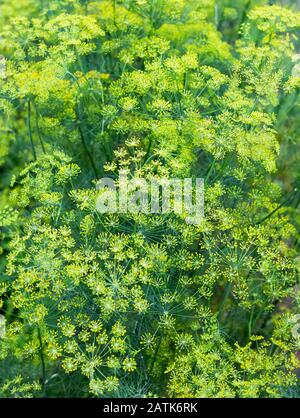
[132,305]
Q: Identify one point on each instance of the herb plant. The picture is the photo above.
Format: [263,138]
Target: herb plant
[131,304]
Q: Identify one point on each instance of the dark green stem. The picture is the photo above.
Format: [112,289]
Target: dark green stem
[156,352]
[42,361]
[227,292]
[84,143]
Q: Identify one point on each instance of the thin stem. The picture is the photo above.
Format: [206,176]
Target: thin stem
[42,361]
[114,11]
[83,140]
[210,170]
[293,193]
[227,292]
[250,324]
[38,127]
[30,130]
[156,352]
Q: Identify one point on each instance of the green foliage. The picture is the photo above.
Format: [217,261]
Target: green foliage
[133,305]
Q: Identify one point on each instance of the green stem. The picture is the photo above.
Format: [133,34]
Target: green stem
[38,127]
[114,11]
[84,143]
[227,291]
[291,197]
[156,352]
[42,361]
[29,129]
[250,323]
